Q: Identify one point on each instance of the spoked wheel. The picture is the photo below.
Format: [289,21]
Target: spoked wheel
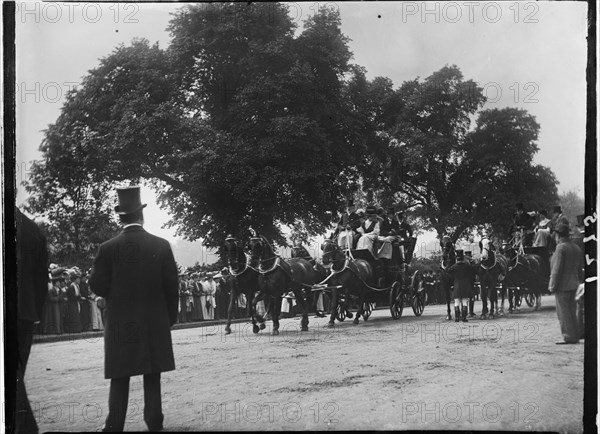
[367,310]
[396,301]
[340,312]
[418,303]
[530,299]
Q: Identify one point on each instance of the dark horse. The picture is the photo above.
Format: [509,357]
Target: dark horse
[353,275]
[320,274]
[448,259]
[525,270]
[277,277]
[492,269]
[246,278]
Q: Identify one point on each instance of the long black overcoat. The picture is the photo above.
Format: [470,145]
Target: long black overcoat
[136,273]
[464,279]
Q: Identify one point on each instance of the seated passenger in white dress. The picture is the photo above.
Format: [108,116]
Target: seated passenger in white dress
[370,229]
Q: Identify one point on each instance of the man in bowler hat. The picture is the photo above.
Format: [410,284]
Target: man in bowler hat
[136,273]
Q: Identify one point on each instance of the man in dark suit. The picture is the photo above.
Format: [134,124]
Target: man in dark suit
[136,273]
[24,309]
[565,277]
[464,279]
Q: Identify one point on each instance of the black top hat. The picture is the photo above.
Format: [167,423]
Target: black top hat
[580,218]
[468,253]
[460,254]
[519,205]
[557,208]
[370,211]
[129,200]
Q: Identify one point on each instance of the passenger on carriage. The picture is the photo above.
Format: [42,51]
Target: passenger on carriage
[346,230]
[388,233]
[370,230]
[523,221]
[543,231]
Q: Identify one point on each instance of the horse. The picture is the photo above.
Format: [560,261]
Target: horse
[353,275]
[320,275]
[246,278]
[492,269]
[525,270]
[446,280]
[277,277]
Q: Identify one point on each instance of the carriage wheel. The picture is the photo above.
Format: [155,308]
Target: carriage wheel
[530,299]
[396,301]
[418,303]
[340,313]
[367,310]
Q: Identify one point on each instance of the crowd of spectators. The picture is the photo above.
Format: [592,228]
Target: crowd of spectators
[71,307]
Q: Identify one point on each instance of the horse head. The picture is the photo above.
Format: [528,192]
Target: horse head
[508,250]
[260,250]
[486,249]
[331,252]
[234,253]
[448,254]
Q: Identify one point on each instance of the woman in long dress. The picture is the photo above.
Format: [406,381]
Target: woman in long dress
[72,319]
[370,230]
[95,314]
[53,317]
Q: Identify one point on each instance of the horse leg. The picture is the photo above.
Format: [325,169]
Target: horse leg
[361,302]
[493,294]
[333,304]
[484,296]
[303,304]
[503,295]
[447,294]
[276,311]
[260,295]
[232,297]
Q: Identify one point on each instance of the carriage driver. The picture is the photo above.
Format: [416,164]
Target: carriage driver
[346,231]
[404,232]
[523,220]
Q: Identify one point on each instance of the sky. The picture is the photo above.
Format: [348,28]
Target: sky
[530,55]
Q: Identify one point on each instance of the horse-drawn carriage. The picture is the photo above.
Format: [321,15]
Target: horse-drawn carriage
[357,276]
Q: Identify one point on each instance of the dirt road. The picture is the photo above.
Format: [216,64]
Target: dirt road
[414,373]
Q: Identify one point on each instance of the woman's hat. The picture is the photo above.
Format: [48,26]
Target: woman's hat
[460,254]
[129,200]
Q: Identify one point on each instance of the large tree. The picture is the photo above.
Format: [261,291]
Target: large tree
[238,123]
[453,176]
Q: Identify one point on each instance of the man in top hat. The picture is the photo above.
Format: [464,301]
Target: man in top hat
[136,273]
[405,231]
[565,276]
[464,279]
[346,230]
[558,217]
[525,222]
[24,308]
